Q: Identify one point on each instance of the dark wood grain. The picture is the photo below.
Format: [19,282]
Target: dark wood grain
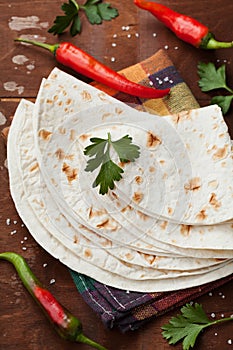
[22,325]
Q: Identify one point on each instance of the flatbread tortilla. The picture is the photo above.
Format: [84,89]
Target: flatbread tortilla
[57,248]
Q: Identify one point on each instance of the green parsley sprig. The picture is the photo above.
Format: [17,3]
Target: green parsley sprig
[96,12]
[212,78]
[188,325]
[109,172]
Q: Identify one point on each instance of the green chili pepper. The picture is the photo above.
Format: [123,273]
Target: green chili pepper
[67,325]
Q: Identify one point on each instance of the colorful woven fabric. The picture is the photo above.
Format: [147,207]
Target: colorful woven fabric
[124,309]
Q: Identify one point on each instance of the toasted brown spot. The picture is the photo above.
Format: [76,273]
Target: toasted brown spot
[214,202]
[152,140]
[76,239]
[151,169]
[201,215]
[163,225]
[88,253]
[118,110]
[105,242]
[34,167]
[84,137]
[62,131]
[129,256]
[185,230]
[49,101]
[142,215]
[102,96]
[162,161]
[138,180]
[72,135]
[108,224]
[149,258]
[94,213]
[128,207]
[106,115]
[193,184]
[45,134]
[213,184]
[137,197]
[68,101]
[86,96]
[60,154]
[220,153]
[169,210]
[71,173]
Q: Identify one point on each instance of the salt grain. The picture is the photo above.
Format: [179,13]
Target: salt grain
[129,36]
[176,48]
[25,238]
[151,83]
[137,35]
[215,334]
[114,36]
[24,248]
[223,297]
[45,265]
[8,221]
[154,35]
[52,281]
[166,79]
[229,341]
[13,232]
[210,294]
[113,59]
[166,47]
[15,222]
[212,315]
[114,44]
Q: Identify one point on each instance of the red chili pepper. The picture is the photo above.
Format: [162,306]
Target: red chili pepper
[186,28]
[67,325]
[81,62]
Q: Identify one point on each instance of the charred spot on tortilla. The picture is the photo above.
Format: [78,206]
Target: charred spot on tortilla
[138,197]
[201,215]
[185,230]
[93,213]
[60,154]
[88,253]
[142,216]
[86,96]
[71,173]
[45,134]
[214,202]
[34,167]
[194,184]
[152,140]
[149,258]
[108,224]
[163,225]
[221,153]
[139,180]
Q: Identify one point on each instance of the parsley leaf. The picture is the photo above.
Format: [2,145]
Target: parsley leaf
[188,325]
[212,78]
[109,172]
[96,11]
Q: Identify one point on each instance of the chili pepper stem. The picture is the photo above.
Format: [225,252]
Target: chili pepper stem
[81,338]
[214,44]
[49,47]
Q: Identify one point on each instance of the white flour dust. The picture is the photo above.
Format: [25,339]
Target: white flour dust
[2,119]
[29,22]
[19,59]
[13,86]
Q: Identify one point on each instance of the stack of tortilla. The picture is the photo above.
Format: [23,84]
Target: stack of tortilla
[166,225]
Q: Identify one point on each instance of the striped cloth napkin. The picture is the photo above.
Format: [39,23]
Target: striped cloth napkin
[125,309]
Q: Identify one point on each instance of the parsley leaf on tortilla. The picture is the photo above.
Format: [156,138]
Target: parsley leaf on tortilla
[99,151]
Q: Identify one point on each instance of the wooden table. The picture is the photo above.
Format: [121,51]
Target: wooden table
[22,325]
